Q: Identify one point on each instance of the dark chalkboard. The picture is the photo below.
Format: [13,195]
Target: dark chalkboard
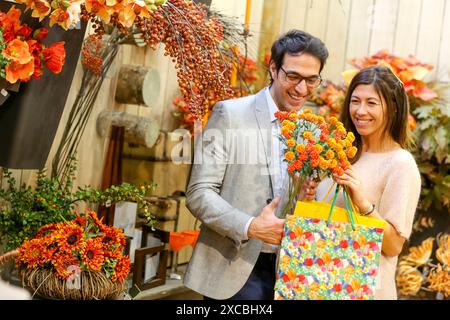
[29,118]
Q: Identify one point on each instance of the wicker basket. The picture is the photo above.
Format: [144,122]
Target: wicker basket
[92,285]
[45,284]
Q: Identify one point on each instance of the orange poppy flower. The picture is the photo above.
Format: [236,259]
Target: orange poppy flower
[54,57]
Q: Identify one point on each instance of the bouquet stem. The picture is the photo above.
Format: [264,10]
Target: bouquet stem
[294,185]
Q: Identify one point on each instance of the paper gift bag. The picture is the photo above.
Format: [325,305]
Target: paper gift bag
[328,253]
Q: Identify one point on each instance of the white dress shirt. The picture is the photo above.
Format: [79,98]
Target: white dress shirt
[278,165]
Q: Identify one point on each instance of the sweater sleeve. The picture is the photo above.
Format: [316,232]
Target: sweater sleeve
[401,194]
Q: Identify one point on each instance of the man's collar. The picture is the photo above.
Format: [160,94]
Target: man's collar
[272,106]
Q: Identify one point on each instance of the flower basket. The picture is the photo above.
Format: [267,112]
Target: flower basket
[91,285]
[80,259]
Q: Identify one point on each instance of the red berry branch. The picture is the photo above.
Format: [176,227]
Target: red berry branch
[192,40]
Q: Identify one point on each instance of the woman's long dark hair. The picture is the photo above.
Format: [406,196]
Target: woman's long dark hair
[388,86]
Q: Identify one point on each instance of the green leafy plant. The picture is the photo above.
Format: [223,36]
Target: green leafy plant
[433,149]
[24,209]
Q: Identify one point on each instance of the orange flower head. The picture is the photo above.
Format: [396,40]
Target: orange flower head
[314,155]
[290,143]
[19,72]
[338,147]
[315,163]
[307,135]
[309,117]
[333,164]
[293,116]
[323,164]
[342,155]
[352,152]
[18,51]
[310,148]
[286,132]
[303,156]
[351,137]
[54,57]
[300,148]
[41,9]
[319,148]
[93,255]
[122,269]
[330,154]
[333,120]
[289,156]
[339,171]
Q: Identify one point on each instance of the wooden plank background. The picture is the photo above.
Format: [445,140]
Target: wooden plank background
[350,28]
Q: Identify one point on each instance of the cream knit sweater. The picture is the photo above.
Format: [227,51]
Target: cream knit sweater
[391,181]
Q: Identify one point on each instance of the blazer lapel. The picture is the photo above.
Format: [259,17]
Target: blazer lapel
[265,130]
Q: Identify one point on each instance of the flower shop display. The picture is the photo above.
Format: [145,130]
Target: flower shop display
[78,259]
[24,209]
[313,147]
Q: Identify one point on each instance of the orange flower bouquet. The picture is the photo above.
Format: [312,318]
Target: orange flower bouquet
[313,148]
[22,54]
[79,259]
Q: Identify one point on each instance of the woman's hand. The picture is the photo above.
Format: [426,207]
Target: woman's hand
[355,188]
[309,189]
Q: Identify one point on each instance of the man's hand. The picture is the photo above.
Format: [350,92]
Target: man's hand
[266,226]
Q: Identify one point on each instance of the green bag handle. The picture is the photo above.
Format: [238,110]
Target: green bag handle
[347,207]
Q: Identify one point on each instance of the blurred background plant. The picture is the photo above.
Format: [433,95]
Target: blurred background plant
[419,275]
[24,209]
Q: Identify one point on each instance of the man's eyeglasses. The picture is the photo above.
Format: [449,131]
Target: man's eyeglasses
[294,78]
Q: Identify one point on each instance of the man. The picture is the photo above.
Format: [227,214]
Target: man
[236,250]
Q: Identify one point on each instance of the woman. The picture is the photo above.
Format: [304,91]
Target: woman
[383,181]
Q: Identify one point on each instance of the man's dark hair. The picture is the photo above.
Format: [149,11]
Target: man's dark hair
[295,42]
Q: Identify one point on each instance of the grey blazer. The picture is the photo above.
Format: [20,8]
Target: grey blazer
[224,192]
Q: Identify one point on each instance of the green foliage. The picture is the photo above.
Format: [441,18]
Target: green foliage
[433,149]
[23,209]
[3,60]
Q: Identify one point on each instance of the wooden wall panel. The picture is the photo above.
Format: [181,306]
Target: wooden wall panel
[384,22]
[360,29]
[335,38]
[407,26]
[443,66]
[429,33]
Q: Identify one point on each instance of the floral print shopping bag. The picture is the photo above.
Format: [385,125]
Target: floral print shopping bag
[328,253]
